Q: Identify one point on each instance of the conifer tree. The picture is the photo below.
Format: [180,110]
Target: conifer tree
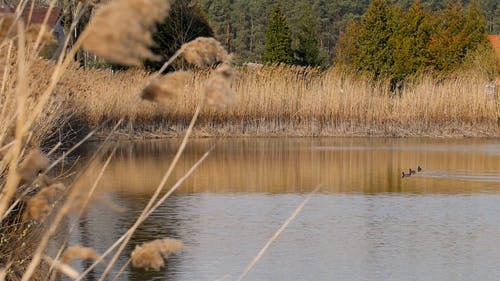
[278,38]
[496,21]
[307,52]
[373,44]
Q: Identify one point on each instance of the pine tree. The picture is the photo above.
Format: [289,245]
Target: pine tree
[278,39]
[445,47]
[410,42]
[307,52]
[496,21]
[374,49]
[474,33]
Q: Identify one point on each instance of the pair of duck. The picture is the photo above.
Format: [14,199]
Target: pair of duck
[411,172]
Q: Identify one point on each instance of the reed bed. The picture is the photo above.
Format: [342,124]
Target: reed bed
[40,100]
[293,101]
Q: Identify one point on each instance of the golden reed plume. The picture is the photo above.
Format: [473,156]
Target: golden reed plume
[151,255]
[218,91]
[168,87]
[204,52]
[39,206]
[79,252]
[34,163]
[121,30]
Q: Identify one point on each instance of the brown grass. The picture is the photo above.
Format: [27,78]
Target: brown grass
[282,100]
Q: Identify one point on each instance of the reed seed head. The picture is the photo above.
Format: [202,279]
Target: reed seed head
[218,91]
[151,255]
[204,52]
[39,206]
[79,252]
[166,88]
[121,30]
[34,163]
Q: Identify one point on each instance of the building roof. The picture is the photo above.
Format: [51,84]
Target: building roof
[37,16]
[495,43]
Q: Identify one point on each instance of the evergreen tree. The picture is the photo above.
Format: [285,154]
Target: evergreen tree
[496,21]
[373,44]
[219,13]
[345,50]
[278,39]
[390,43]
[240,24]
[410,42]
[307,51]
[474,30]
[446,49]
[185,22]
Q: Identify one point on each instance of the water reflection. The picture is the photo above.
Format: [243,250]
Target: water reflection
[295,165]
[367,223]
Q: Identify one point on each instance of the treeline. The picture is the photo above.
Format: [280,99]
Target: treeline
[394,44]
[241,25]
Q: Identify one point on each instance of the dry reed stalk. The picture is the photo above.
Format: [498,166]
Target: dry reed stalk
[157,192]
[80,253]
[151,255]
[81,197]
[218,91]
[94,185]
[166,88]
[66,207]
[121,30]
[13,178]
[122,269]
[35,31]
[3,274]
[280,100]
[277,234]
[62,267]
[204,52]
[126,235]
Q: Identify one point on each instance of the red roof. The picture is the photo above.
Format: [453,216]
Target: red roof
[37,16]
[495,42]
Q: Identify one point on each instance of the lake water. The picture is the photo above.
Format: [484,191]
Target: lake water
[365,223]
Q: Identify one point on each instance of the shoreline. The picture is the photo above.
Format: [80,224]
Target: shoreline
[230,131]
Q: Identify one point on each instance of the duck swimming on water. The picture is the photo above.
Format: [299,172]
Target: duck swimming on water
[419,169]
[412,172]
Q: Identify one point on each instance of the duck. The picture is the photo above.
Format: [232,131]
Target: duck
[419,169]
[405,175]
[412,172]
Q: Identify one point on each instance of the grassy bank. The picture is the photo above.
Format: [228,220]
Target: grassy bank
[291,101]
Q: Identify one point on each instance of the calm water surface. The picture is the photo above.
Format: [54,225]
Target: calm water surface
[366,223]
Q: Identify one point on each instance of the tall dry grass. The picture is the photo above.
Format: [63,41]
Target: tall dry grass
[34,203]
[285,100]
[38,97]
